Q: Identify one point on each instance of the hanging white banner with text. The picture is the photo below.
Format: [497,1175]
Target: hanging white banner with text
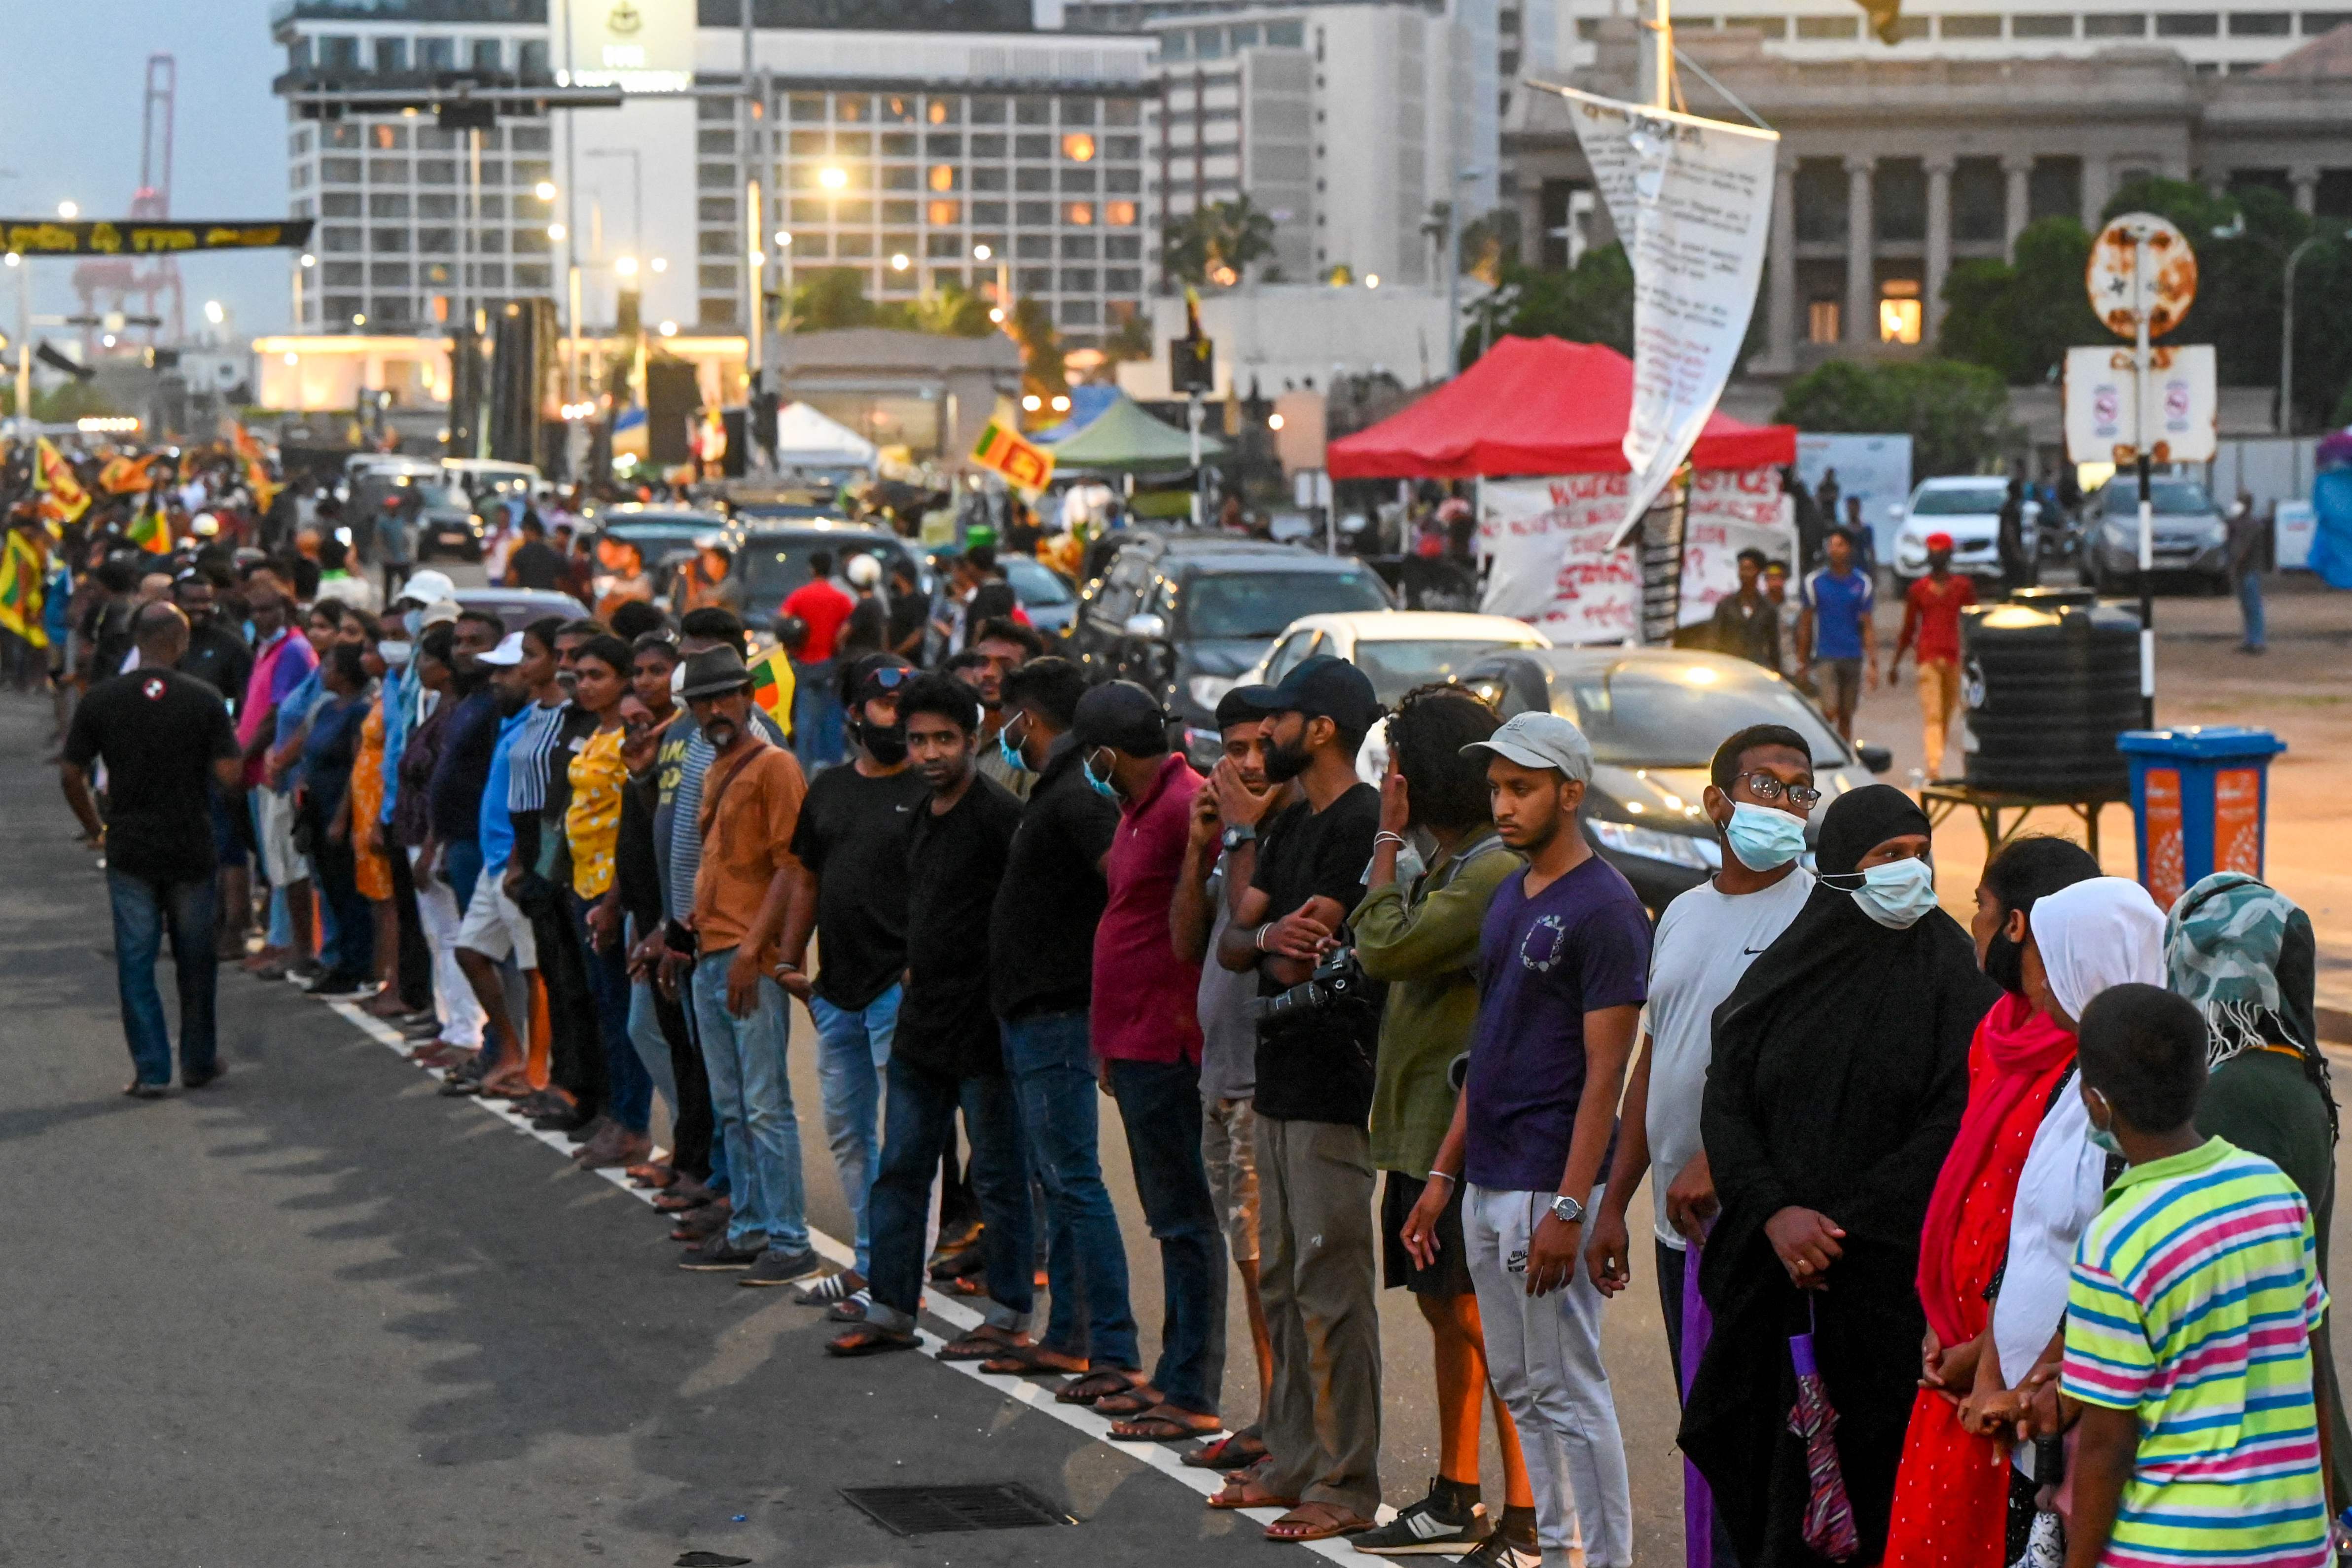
[1550,558]
[1692,200]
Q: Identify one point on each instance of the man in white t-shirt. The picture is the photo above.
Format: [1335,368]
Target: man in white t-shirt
[1759,795]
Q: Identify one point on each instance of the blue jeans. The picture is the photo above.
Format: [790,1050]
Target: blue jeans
[816,717]
[652,1044]
[2250,606]
[852,1051]
[1160,1104]
[628,1092]
[753,1097]
[1048,1057]
[144,912]
[916,1116]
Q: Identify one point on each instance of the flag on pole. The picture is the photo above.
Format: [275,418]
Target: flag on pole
[123,475]
[150,529]
[65,500]
[772,687]
[1021,462]
[23,575]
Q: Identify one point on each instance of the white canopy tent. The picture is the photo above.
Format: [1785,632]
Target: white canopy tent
[807,439]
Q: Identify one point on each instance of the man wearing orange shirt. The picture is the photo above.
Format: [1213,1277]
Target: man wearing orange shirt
[1931,629]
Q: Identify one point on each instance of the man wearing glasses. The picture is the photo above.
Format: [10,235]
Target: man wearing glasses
[851,838]
[1760,793]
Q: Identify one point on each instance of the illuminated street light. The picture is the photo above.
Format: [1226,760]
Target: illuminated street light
[996,314]
[14,259]
[1274,421]
[627,266]
[215,312]
[1372,279]
[899,262]
[555,231]
[293,358]
[758,259]
[359,320]
[308,259]
[980,253]
[668,329]
[661,264]
[68,210]
[784,240]
[832,177]
[107,342]
[544,190]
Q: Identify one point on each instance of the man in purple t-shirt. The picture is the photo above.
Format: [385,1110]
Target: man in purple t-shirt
[1563,967]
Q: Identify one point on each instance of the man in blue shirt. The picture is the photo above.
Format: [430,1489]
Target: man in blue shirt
[1834,631]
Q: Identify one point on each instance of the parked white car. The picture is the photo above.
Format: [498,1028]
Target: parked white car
[1399,650]
[1967,507]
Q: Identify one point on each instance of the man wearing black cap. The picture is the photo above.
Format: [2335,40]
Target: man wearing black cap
[852,843]
[1322,1425]
[1150,1047]
[1040,985]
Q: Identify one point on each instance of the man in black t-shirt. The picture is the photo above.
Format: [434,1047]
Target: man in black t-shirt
[851,838]
[1291,890]
[1041,940]
[534,563]
[945,1054]
[166,740]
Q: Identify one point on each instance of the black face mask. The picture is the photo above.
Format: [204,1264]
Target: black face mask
[886,744]
[2004,963]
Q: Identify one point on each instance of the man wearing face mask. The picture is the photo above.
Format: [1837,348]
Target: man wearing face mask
[1839,1078]
[1760,793]
[1041,980]
[851,842]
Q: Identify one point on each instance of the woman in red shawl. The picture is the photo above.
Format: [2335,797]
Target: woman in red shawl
[1951,1495]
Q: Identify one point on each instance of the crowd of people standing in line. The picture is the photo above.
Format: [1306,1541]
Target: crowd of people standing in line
[2037,1207]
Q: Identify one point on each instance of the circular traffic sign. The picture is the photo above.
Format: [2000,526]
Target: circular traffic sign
[2140,264]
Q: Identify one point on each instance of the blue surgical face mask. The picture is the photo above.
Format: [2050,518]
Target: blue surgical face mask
[1764,839]
[1897,893]
[1102,787]
[2100,1138]
[1008,752]
[415,621]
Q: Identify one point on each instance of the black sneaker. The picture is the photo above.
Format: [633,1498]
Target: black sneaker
[777,1267]
[1498,1551]
[334,985]
[1435,1525]
[719,1256]
[198,1079]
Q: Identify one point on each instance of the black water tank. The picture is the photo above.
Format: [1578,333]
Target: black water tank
[2052,678]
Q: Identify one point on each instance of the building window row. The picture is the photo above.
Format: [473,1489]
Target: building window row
[398,135]
[957,108]
[946,213]
[1221,43]
[1982,25]
[398,55]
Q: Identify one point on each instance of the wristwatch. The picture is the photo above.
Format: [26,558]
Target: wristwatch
[1239,834]
[1569,1211]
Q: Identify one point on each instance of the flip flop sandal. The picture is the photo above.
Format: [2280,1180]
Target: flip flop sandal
[1022,1360]
[1315,1521]
[678,1203]
[1134,1400]
[1236,1451]
[1164,1425]
[866,1340]
[1094,1385]
[1236,1495]
[986,1343]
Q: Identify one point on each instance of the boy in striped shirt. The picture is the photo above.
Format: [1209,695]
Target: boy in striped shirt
[2188,1324]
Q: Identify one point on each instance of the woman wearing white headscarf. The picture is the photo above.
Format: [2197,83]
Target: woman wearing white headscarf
[2080,940]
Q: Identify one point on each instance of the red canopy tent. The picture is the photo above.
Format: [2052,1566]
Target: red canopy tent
[1536,406]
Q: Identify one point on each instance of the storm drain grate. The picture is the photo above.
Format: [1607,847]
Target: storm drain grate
[932,1511]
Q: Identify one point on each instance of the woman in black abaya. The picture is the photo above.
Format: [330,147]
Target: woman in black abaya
[1839,1078]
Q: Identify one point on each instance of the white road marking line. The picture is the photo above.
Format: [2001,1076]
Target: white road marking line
[1160,1456]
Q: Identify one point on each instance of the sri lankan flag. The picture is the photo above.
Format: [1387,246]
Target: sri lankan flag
[257,471]
[124,475]
[63,498]
[772,687]
[150,529]
[24,567]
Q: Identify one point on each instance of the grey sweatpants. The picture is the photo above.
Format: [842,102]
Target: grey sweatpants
[1543,1354]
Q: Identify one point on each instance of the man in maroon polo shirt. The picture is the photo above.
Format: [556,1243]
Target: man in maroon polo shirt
[1150,1051]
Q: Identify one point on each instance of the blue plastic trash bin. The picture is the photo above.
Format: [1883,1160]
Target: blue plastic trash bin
[2201,800]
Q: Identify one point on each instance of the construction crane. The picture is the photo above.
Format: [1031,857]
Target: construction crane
[106,283]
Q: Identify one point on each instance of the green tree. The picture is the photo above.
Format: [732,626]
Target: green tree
[1132,341]
[952,310]
[1592,302]
[1216,244]
[830,298]
[2017,319]
[1956,413]
[1042,371]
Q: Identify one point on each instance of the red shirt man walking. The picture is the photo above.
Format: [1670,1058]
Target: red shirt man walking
[1931,629]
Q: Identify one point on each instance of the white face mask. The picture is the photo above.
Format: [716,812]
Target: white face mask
[1897,893]
[395,654]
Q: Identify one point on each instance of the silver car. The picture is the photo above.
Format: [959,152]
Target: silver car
[2191,537]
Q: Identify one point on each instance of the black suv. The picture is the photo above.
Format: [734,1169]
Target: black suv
[1184,614]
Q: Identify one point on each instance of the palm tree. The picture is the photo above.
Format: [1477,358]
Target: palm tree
[1214,245]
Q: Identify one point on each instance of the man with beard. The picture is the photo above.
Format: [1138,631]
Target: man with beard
[1305,876]
[947,1052]
[750,805]
[996,650]
[851,842]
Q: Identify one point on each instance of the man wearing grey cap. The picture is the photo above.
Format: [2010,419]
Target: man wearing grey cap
[1305,875]
[1563,968]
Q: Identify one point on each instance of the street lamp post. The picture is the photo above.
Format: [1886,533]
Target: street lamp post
[24,269]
